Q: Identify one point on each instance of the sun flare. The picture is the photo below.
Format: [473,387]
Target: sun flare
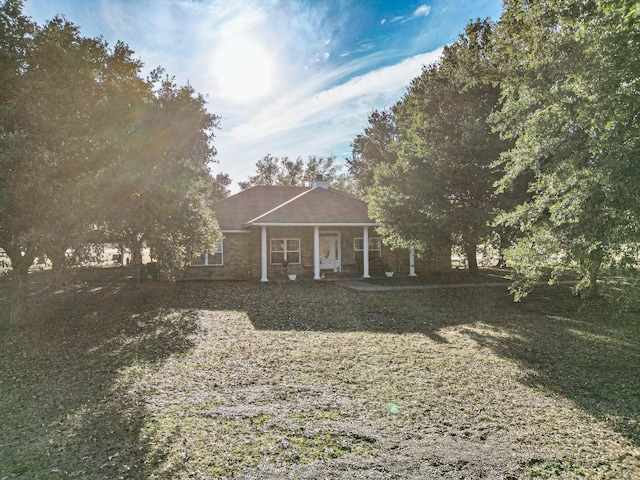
[244,69]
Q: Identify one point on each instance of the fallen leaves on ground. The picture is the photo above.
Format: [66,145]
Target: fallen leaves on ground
[311,380]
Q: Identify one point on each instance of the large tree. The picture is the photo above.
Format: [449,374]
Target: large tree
[49,112]
[157,186]
[435,180]
[570,82]
[77,125]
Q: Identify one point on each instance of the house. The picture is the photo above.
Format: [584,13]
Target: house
[309,231]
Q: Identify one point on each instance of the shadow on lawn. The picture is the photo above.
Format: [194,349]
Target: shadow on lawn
[65,411]
[586,353]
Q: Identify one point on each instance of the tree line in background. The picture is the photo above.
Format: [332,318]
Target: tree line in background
[525,134]
[272,170]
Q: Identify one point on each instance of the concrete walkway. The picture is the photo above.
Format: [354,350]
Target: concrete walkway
[370,287]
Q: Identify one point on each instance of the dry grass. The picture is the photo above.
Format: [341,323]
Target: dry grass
[310,380]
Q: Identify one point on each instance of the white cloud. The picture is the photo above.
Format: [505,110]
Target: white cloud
[313,106]
[422,11]
[319,122]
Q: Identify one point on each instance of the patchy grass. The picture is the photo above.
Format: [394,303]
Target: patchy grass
[310,380]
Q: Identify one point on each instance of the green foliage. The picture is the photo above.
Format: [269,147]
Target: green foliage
[272,170]
[221,183]
[428,166]
[157,190]
[91,152]
[570,88]
[372,148]
[558,82]
[535,257]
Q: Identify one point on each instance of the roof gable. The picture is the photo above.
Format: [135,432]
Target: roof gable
[234,212]
[318,206]
[267,205]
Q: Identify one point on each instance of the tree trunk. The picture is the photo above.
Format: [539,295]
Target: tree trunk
[58,259]
[470,251]
[595,261]
[19,286]
[136,255]
[504,244]
[135,244]
[58,265]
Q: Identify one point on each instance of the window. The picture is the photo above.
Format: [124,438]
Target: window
[285,249]
[212,258]
[374,246]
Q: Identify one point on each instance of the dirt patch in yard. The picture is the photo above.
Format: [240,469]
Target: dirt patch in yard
[311,380]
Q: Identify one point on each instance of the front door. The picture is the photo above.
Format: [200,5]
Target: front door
[330,252]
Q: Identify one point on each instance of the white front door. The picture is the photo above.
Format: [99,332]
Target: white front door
[330,252]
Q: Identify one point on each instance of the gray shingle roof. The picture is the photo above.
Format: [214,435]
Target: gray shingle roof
[265,205]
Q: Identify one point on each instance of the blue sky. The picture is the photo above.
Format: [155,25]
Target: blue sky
[287,77]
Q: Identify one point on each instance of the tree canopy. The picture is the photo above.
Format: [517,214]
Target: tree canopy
[158,188]
[89,149]
[570,85]
[526,129]
[374,147]
[272,170]
[427,166]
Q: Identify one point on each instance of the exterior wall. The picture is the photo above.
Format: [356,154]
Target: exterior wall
[242,256]
[441,260]
[351,257]
[398,260]
[236,249]
[305,234]
[437,261]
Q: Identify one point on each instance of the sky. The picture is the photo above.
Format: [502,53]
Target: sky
[286,77]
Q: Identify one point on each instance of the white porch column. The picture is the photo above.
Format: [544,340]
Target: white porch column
[316,253]
[264,255]
[365,240]
[412,260]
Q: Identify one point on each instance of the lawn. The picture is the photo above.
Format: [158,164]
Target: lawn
[311,380]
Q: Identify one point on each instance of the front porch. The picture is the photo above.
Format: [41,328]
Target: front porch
[323,251]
